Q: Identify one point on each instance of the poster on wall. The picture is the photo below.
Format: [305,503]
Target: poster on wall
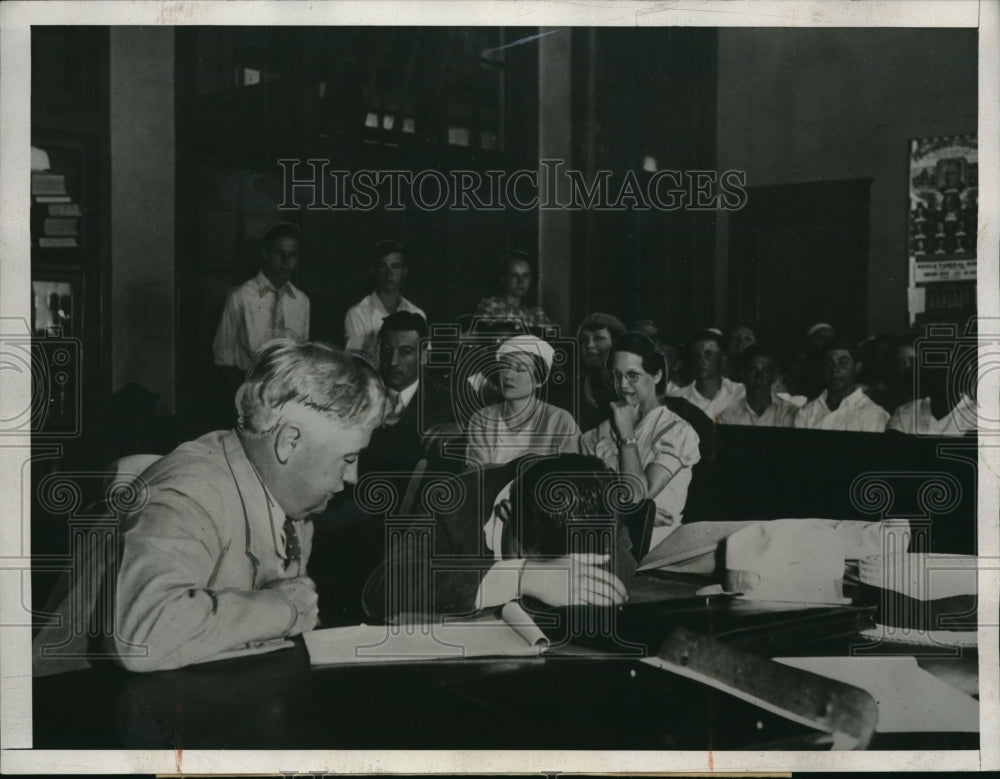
[944,202]
[944,187]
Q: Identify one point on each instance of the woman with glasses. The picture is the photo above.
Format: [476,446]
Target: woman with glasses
[644,438]
[522,423]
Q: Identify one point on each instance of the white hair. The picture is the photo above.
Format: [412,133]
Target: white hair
[309,374]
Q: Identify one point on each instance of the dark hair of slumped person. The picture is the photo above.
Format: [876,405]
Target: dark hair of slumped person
[554,493]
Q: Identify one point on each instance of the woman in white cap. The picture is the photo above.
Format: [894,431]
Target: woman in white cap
[644,438]
[522,423]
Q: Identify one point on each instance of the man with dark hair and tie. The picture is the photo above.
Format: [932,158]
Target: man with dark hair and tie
[416,404]
[265,307]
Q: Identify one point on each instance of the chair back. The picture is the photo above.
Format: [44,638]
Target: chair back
[80,610]
[410,496]
[640,522]
[132,465]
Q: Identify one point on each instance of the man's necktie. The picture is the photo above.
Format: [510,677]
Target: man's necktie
[395,408]
[293,549]
[277,315]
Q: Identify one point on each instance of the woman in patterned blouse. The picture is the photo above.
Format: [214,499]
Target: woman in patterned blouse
[516,277]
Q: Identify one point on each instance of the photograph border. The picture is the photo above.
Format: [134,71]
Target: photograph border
[17,16]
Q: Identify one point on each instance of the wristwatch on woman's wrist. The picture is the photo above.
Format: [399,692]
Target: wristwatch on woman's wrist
[631,441]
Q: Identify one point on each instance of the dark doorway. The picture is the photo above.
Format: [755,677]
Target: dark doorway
[798,254]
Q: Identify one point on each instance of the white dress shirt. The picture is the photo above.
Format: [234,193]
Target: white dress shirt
[400,401]
[248,320]
[796,400]
[729,393]
[915,418]
[500,584]
[364,321]
[780,413]
[856,412]
[406,394]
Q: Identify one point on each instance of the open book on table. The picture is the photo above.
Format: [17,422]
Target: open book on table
[513,634]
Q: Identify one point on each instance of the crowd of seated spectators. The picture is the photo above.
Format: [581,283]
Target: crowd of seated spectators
[503,382]
[646,404]
[825,381]
[530,395]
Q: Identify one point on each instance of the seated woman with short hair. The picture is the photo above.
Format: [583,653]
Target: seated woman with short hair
[644,438]
[522,423]
[516,274]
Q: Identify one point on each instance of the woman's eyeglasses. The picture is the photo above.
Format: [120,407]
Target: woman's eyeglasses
[632,377]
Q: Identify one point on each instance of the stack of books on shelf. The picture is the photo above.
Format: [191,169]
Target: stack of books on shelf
[55,217]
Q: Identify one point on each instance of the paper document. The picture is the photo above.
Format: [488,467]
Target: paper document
[514,634]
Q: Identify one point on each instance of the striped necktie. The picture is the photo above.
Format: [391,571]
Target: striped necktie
[293,549]
[277,315]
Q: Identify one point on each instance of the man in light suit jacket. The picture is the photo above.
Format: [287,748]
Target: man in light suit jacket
[214,559]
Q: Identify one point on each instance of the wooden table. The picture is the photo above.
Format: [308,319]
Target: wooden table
[277,701]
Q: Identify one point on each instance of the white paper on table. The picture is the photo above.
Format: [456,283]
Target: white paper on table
[909,699]
[513,635]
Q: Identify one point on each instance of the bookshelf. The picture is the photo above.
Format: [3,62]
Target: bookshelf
[70,180]
[69,276]
[57,179]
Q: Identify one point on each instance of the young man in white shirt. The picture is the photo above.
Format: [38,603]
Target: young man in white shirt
[364,320]
[843,405]
[937,412]
[759,408]
[920,417]
[710,391]
[265,307]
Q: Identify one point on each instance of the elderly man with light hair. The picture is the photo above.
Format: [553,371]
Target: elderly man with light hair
[214,559]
